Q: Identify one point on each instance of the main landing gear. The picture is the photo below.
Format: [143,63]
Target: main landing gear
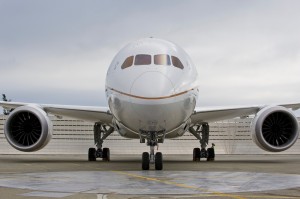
[201,132]
[152,158]
[101,132]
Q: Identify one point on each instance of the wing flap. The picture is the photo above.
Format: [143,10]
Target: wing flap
[217,114]
[292,106]
[94,114]
[10,105]
[222,113]
[89,113]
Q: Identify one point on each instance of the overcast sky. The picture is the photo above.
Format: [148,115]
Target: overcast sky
[246,52]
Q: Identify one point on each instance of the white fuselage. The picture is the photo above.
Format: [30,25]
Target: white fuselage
[152,90]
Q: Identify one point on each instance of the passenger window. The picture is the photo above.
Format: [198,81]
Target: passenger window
[128,62]
[177,63]
[142,59]
[162,59]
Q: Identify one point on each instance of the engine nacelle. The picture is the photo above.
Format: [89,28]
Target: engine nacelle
[28,128]
[275,129]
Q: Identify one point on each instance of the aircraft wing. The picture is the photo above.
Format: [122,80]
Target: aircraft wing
[212,114]
[89,113]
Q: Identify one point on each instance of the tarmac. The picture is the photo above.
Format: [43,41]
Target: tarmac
[72,176]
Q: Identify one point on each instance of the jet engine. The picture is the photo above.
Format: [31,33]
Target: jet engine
[28,128]
[275,129]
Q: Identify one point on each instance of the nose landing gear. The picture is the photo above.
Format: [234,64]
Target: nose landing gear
[152,158]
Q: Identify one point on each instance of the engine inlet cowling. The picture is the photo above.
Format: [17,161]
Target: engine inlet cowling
[28,128]
[275,129]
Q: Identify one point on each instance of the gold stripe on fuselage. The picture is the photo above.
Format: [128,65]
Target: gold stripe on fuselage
[151,98]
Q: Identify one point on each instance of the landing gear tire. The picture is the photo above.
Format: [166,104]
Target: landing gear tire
[106,154]
[158,161]
[145,161]
[92,154]
[210,154]
[196,155]
[203,153]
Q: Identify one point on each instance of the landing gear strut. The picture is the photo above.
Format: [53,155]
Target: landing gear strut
[152,158]
[201,132]
[101,132]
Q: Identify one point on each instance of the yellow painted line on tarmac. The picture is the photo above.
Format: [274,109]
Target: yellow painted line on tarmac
[7,172]
[213,193]
[246,196]
[265,196]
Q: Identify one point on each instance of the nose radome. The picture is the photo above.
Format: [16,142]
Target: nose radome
[152,85]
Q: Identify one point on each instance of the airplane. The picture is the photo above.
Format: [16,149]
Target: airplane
[151,90]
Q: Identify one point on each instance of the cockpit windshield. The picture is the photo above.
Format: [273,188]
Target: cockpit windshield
[127,63]
[177,63]
[142,59]
[159,59]
[162,59]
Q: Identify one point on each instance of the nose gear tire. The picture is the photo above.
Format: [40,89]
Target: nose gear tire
[158,161]
[145,161]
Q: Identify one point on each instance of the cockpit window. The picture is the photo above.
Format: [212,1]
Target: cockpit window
[162,59]
[177,63]
[127,63]
[142,59]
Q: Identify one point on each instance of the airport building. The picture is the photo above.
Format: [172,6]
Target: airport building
[71,136]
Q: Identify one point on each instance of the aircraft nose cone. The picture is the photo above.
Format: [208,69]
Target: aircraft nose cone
[152,85]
